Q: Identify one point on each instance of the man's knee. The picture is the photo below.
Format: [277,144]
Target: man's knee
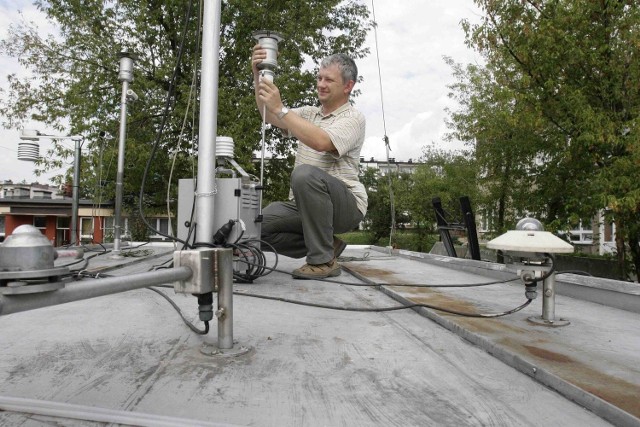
[303,175]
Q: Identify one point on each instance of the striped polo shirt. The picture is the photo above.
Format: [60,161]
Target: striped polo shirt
[346,128]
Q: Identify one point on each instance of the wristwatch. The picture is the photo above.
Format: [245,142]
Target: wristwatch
[283,112]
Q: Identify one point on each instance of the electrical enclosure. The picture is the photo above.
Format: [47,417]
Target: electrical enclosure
[236,199]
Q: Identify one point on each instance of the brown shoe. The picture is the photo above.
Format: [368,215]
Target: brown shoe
[317,271]
[338,247]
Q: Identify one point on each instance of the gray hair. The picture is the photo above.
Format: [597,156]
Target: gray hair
[347,66]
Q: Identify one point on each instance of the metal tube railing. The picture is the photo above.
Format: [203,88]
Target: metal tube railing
[91,288]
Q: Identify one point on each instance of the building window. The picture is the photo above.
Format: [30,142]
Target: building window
[40,222]
[2,226]
[581,235]
[62,222]
[162,226]
[86,228]
[22,193]
[41,194]
[609,234]
[108,225]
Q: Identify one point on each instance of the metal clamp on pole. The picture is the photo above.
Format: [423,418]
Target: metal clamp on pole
[212,272]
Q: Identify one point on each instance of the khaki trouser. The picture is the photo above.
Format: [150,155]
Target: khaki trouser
[322,206]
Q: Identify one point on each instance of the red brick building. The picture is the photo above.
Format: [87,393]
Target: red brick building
[49,210]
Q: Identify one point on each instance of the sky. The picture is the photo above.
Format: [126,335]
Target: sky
[412,39]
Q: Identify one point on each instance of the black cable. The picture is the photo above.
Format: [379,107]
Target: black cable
[184,319]
[383,309]
[264,266]
[534,281]
[239,237]
[135,247]
[242,250]
[163,265]
[165,115]
[104,249]
[78,261]
[408,285]
[162,294]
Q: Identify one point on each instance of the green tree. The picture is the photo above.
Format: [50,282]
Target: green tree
[506,137]
[378,219]
[447,175]
[444,174]
[73,81]
[570,70]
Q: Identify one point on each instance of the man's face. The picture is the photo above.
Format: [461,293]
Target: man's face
[331,87]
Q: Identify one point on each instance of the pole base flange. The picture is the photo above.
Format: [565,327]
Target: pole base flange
[214,351]
[538,320]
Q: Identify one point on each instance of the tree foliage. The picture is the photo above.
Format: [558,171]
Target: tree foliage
[556,108]
[73,84]
[443,174]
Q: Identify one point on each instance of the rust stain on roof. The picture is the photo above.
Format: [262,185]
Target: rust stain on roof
[534,345]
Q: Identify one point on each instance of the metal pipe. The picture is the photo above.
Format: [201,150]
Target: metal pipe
[117,229]
[206,186]
[224,271]
[75,193]
[84,413]
[549,298]
[126,76]
[264,144]
[90,289]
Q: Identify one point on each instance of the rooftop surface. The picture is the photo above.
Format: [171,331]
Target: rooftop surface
[129,359]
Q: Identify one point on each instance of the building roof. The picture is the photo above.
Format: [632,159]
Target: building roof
[128,358]
[28,206]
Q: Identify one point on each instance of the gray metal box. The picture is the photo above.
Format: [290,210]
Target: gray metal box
[237,199]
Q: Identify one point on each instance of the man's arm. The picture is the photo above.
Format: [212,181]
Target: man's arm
[269,102]
[306,132]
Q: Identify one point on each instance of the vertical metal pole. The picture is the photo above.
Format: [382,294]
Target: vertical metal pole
[75,193]
[225,298]
[126,76]
[206,187]
[117,223]
[548,317]
[549,298]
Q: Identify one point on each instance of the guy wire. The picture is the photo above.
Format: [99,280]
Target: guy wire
[384,126]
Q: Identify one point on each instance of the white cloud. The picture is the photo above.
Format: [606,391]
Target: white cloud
[413,37]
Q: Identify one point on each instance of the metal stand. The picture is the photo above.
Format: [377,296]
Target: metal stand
[549,305]
[75,238]
[530,271]
[223,278]
[126,77]
[207,161]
